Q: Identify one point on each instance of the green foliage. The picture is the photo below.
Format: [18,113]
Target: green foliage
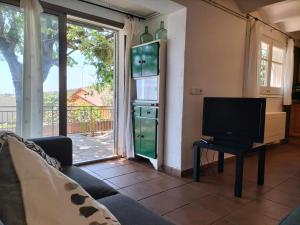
[12,28]
[51,110]
[97,48]
[51,99]
[95,44]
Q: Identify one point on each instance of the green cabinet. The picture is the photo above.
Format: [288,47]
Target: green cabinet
[145,60]
[136,62]
[148,137]
[145,131]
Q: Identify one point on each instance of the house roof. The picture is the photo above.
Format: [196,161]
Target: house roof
[89,95]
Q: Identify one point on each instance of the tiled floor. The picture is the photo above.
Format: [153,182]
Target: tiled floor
[211,201]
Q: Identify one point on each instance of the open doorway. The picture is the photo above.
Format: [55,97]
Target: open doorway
[90,90]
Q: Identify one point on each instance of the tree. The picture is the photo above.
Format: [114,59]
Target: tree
[97,47]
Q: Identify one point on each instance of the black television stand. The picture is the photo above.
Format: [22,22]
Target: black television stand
[239,150]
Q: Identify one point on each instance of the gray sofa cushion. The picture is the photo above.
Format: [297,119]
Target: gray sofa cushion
[11,202]
[95,187]
[293,218]
[130,212]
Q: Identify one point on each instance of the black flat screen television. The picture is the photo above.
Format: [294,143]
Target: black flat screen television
[234,119]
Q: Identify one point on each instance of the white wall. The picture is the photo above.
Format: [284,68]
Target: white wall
[214,62]
[174,88]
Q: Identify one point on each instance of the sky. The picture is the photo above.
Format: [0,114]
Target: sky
[77,76]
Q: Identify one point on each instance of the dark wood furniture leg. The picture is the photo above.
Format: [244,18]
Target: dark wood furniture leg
[239,175]
[261,165]
[221,162]
[196,172]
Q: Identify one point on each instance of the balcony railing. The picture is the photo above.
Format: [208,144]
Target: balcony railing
[80,119]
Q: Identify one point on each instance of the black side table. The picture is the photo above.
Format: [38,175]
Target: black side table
[239,152]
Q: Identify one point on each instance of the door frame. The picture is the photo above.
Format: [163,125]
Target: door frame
[62,13]
[96,25]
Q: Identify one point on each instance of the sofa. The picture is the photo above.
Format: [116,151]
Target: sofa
[126,210]
[293,218]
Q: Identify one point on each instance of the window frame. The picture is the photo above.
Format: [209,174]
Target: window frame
[268,89]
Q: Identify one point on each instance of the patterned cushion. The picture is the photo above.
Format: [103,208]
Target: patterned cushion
[32,146]
[11,207]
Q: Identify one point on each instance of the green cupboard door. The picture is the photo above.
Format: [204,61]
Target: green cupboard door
[137,134]
[148,137]
[136,62]
[150,59]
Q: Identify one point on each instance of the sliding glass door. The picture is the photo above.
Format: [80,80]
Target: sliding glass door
[11,73]
[78,67]
[50,70]
[90,90]
[11,64]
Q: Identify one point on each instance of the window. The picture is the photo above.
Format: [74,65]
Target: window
[271,66]
[75,92]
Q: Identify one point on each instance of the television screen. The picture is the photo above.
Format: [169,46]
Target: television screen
[234,118]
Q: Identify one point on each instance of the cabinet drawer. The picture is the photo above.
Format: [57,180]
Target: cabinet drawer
[137,111]
[149,112]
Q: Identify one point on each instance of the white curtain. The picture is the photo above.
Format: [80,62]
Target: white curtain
[288,69]
[252,54]
[127,132]
[32,110]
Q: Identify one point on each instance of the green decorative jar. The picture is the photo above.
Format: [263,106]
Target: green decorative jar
[146,37]
[161,33]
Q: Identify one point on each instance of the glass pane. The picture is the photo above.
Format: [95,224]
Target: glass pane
[264,50]
[276,75]
[277,54]
[50,47]
[11,64]
[263,73]
[147,89]
[90,79]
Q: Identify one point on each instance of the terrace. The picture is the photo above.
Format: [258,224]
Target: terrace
[89,127]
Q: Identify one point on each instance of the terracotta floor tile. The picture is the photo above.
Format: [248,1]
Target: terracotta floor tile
[219,205]
[245,217]
[134,178]
[212,201]
[192,214]
[290,186]
[172,199]
[119,170]
[283,198]
[107,164]
[154,186]
[223,222]
[271,209]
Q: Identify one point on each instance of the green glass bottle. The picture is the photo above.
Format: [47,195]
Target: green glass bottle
[146,37]
[161,33]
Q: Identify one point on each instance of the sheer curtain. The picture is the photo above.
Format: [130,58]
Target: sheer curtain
[32,110]
[126,120]
[252,54]
[288,69]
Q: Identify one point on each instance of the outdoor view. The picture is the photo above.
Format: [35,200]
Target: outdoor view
[90,79]
[90,91]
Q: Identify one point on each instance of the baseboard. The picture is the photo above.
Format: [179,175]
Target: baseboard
[172,171]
